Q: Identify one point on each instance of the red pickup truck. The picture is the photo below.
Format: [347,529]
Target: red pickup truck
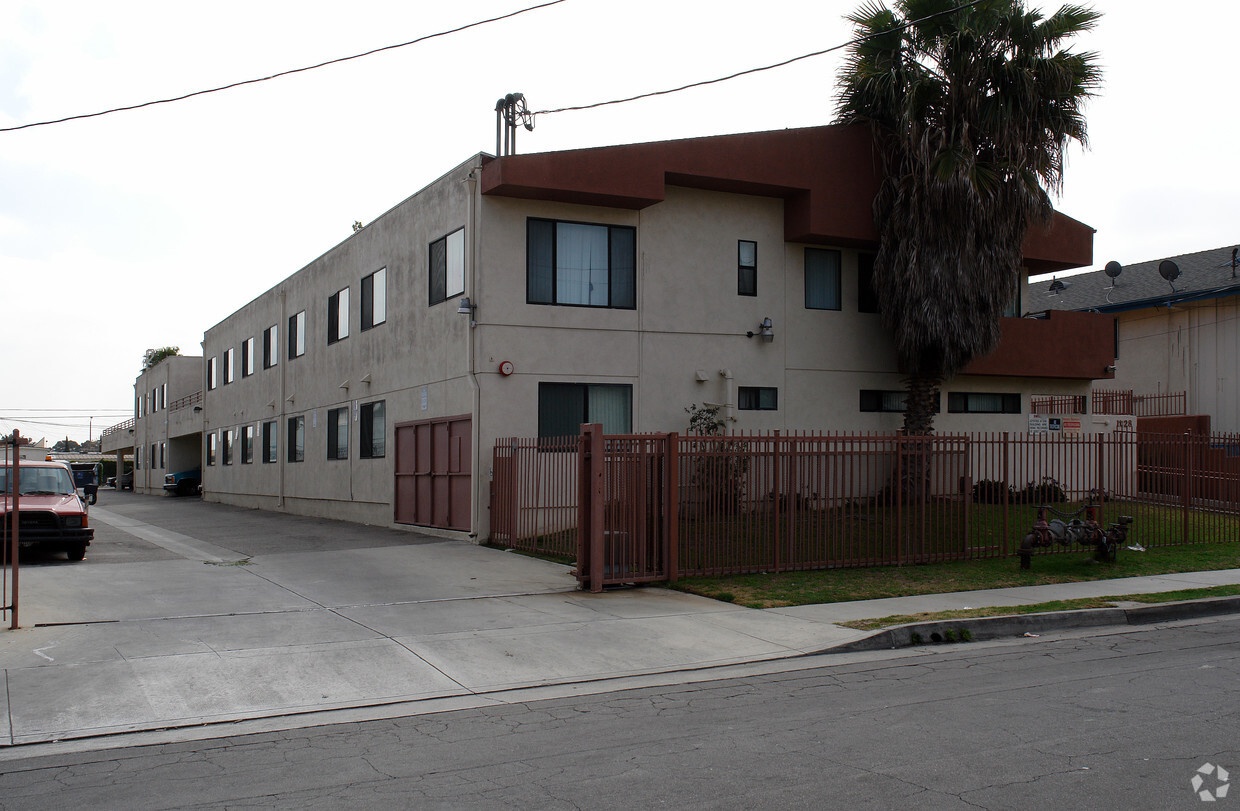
[52,512]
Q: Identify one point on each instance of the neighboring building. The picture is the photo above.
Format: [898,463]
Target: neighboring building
[1172,335]
[165,434]
[521,296]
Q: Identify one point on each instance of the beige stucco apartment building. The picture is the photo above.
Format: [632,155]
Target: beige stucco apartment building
[521,296]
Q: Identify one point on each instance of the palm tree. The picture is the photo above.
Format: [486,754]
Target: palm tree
[972,108]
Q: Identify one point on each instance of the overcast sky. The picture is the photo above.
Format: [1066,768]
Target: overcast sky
[142,229]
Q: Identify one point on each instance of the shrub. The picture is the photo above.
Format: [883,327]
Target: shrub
[1047,491]
[991,491]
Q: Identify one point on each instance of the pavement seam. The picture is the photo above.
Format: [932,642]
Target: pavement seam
[8,705]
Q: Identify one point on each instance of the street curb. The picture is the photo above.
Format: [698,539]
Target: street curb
[979,628]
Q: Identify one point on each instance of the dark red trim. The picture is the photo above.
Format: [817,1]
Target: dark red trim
[827,176]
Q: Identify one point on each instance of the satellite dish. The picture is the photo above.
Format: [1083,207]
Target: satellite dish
[1113,269]
[1168,270]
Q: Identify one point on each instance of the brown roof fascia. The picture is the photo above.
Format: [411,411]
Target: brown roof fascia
[828,177]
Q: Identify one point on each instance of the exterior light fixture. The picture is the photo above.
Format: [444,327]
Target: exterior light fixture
[467,307]
[765,331]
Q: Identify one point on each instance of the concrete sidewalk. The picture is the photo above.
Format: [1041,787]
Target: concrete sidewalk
[165,626]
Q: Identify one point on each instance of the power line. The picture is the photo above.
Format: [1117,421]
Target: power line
[704,82]
[281,73]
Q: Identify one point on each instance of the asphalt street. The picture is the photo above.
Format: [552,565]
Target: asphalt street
[1118,718]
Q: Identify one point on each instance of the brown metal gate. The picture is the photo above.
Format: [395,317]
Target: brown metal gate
[628,507]
[433,473]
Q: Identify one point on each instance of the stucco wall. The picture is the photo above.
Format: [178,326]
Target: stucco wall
[1190,347]
[418,347]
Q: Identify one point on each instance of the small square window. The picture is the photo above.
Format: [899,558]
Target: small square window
[757,398]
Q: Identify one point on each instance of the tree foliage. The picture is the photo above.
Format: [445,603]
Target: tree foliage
[153,356]
[971,111]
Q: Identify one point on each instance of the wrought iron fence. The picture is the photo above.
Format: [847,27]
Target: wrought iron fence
[1124,402]
[664,505]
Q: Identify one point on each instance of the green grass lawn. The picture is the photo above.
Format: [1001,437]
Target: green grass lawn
[841,585]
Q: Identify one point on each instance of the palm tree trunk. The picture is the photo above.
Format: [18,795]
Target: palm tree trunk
[921,404]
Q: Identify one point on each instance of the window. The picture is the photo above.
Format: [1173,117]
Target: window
[371,442]
[971,402]
[151,462]
[271,341]
[211,373]
[296,439]
[162,450]
[247,444]
[247,357]
[297,335]
[867,299]
[822,279]
[226,445]
[447,267]
[757,398]
[581,264]
[271,444]
[888,400]
[163,395]
[338,433]
[374,299]
[563,407]
[211,446]
[746,268]
[338,316]
[228,366]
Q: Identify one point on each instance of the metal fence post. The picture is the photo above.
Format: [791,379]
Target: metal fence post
[1188,482]
[593,497]
[671,507]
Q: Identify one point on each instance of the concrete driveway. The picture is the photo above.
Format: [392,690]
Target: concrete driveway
[188,613]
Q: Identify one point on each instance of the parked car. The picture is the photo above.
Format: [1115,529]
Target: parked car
[86,478]
[184,483]
[52,514]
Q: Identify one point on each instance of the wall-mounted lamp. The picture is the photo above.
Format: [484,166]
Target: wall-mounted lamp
[197,409]
[467,307]
[765,331]
[1108,369]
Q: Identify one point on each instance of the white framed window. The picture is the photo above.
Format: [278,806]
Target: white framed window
[581,264]
[297,335]
[374,299]
[338,316]
[447,267]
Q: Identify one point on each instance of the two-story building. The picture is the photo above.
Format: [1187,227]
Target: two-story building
[524,295]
